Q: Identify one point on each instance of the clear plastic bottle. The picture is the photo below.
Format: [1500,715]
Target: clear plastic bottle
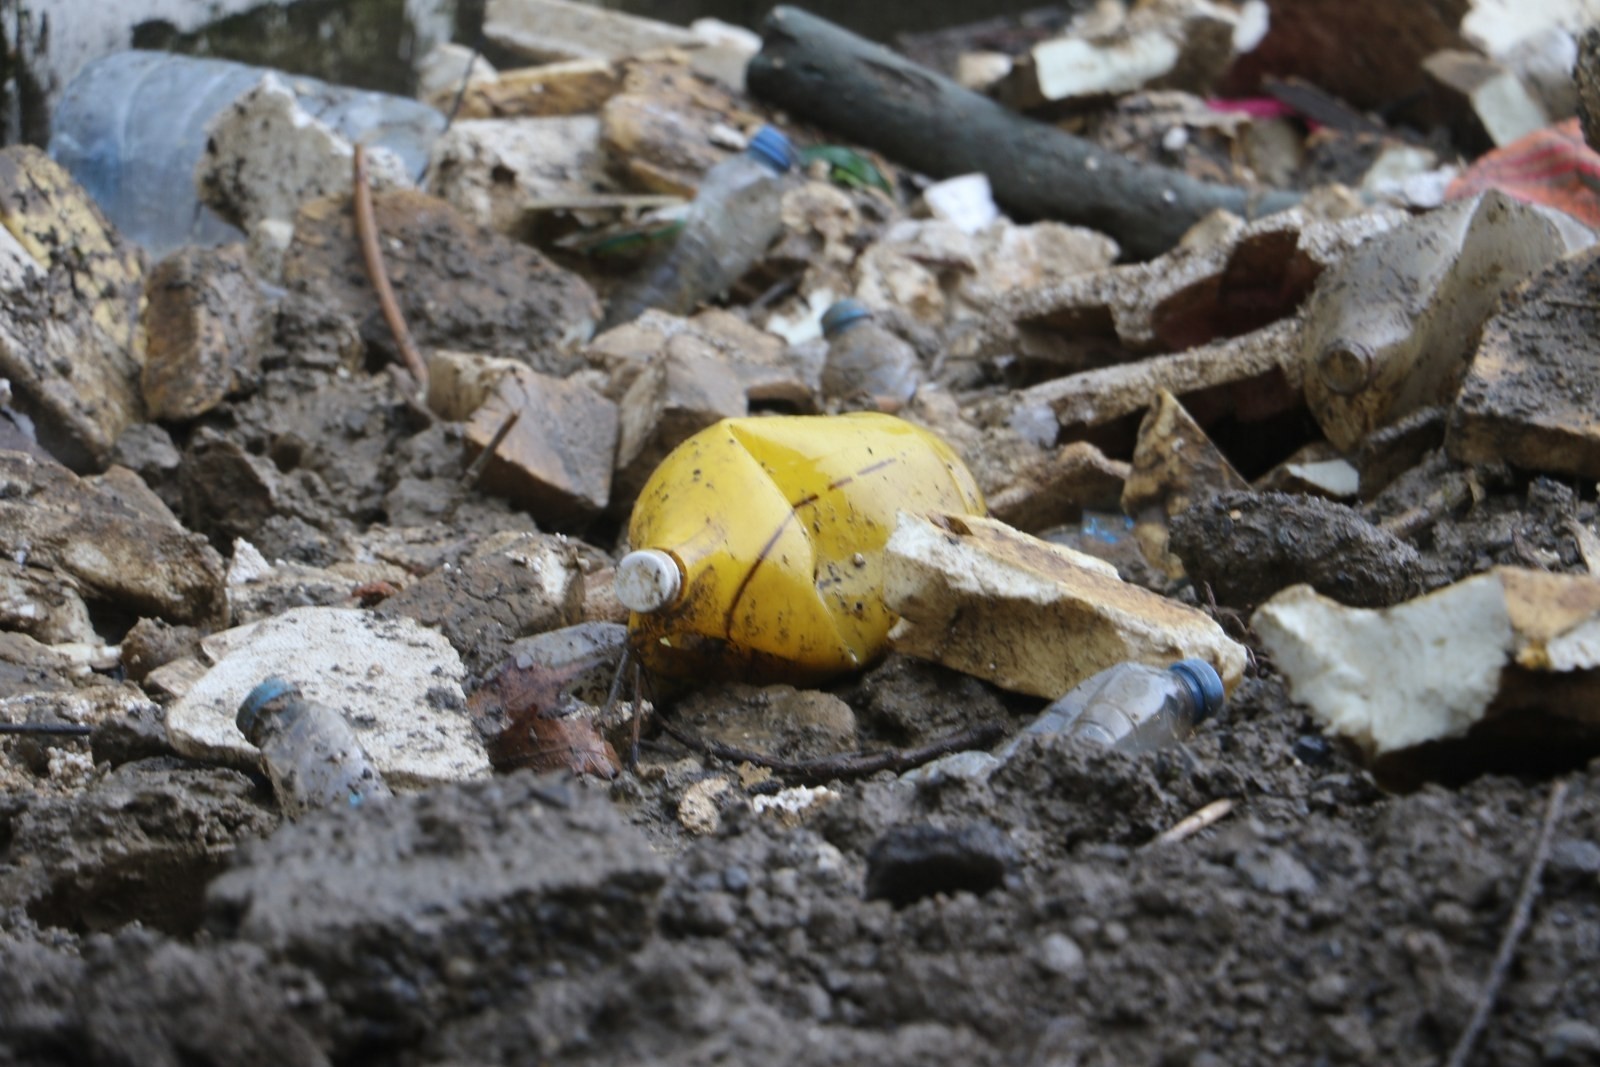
[864,359]
[131,126]
[308,749]
[1133,707]
[735,217]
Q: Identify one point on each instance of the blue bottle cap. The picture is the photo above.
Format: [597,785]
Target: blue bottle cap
[771,147]
[843,314]
[1205,685]
[262,695]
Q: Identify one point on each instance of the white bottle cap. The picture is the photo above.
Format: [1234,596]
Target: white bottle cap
[648,580]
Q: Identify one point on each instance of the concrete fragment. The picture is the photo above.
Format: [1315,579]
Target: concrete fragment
[201,316]
[725,51]
[667,127]
[1391,328]
[911,265]
[1543,61]
[672,377]
[1256,374]
[557,459]
[982,71]
[697,808]
[132,555]
[682,389]
[1175,465]
[43,604]
[512,585]
[1249,545]
[1432,668]
[1076,478]
[265,155]
[260,590]
[574,87]
[69,342]
[1012,259]
[545,30]
[495,171]
[398,683]
[1031,616]
[966,202]
[1317,469]
[1502,104]
[441,72]
[1528,396]
[459,287]
[1251,276]
[1175,44]
[434,904]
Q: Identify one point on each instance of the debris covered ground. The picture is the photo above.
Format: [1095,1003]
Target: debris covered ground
[1283,379]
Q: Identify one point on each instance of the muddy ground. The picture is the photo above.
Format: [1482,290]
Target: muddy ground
[158,912]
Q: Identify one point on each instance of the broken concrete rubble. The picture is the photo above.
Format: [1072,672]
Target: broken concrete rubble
[512,585]
[458,287]
[202,315]
[1030,616]
[495,172]
[1058,490]
[1182,44]
[1256,375]
[1433,668]
[265,155]
[572,87]
[668,126]
[1252,275]
[1390,329]
[1175,465]
[69,340]
[1528,395]
[128,555]
[547,30]
[1502,104]
[557,459]
[398,683]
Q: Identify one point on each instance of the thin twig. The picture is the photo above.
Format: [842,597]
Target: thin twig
[1520,915]
[474,472]
[47,728]
[1212,813]
[849,765]
[372,257]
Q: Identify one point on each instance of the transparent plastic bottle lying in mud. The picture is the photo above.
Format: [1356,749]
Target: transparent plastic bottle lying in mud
[735,217]
[308,750]
[1133,707]
[864,359]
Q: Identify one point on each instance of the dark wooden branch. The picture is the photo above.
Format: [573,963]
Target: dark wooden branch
[826,75]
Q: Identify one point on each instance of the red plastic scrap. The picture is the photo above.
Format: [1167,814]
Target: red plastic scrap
[1552,166]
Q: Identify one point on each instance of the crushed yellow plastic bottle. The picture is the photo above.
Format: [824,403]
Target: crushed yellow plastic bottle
[758,544]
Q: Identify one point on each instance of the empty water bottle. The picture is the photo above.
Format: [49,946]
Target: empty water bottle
[308,749]
[864,359]
[1133,707]
[735,217]
[130,128]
